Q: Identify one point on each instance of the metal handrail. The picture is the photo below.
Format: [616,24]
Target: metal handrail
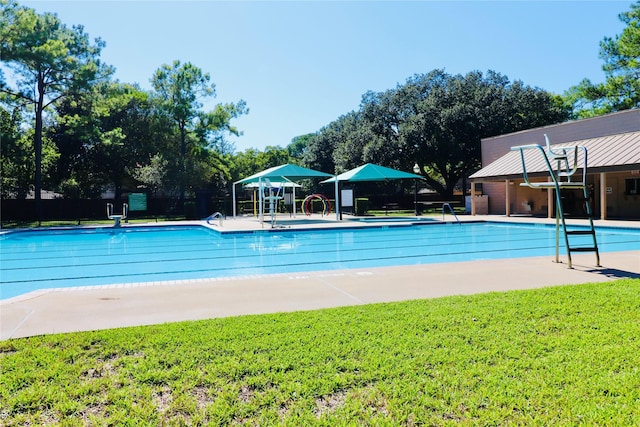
[213,216]
[450,210]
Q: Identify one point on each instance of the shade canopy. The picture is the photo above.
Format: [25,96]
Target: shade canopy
[371,172]
[282,173]
[275,184]
[286,172]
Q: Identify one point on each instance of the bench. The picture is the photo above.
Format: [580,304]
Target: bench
[390,207]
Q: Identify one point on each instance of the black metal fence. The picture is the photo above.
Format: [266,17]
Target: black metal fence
[12,210]
[203,205]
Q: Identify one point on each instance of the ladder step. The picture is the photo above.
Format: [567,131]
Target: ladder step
[577,232]
[592,249]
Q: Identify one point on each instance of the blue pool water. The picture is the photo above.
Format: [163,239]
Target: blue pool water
[33,260]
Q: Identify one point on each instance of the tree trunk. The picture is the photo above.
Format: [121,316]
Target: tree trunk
[37,145]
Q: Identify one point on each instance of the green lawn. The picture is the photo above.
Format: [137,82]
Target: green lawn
[565,355]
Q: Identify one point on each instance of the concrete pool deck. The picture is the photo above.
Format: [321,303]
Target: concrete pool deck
[104,307]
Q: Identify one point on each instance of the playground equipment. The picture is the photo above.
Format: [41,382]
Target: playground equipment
[117,217]
[307,204]
[278,189]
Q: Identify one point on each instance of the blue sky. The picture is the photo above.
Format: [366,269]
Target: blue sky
[301,64]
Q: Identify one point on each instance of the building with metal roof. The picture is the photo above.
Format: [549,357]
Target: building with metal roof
[613,169]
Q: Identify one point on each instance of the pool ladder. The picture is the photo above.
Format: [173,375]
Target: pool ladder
[447,205]
[566,159]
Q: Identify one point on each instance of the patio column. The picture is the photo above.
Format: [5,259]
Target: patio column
[507,198]
[603,195]
[473,198]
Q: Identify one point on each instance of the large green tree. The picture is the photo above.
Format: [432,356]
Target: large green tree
[320,149]
[251,161]
[47,59]
[436,121]
[181,90]
[621,88]
[102,135]
[17,155]
[444,117]
[298,145]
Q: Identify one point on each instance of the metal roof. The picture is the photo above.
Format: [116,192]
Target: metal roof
[605,154]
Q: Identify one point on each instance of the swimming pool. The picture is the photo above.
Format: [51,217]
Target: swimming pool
[34,260]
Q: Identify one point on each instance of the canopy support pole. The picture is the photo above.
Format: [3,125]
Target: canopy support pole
[337,199]
[233,193]
[261,200]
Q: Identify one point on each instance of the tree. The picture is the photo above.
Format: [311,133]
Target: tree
[245,163]
[435,120]
[153,173]
[621,89]
[17,155]
[47,59]
[298,145]
[212,126]
[252,161]
[102,134]
[180,89]
[319,153]
[440,120]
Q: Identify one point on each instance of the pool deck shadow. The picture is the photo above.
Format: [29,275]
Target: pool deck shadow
[115,306]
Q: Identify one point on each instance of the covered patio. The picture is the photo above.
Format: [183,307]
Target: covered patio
[613,175]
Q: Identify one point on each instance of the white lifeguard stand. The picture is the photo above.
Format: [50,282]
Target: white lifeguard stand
[117,217]
[273,199]
[566,161]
